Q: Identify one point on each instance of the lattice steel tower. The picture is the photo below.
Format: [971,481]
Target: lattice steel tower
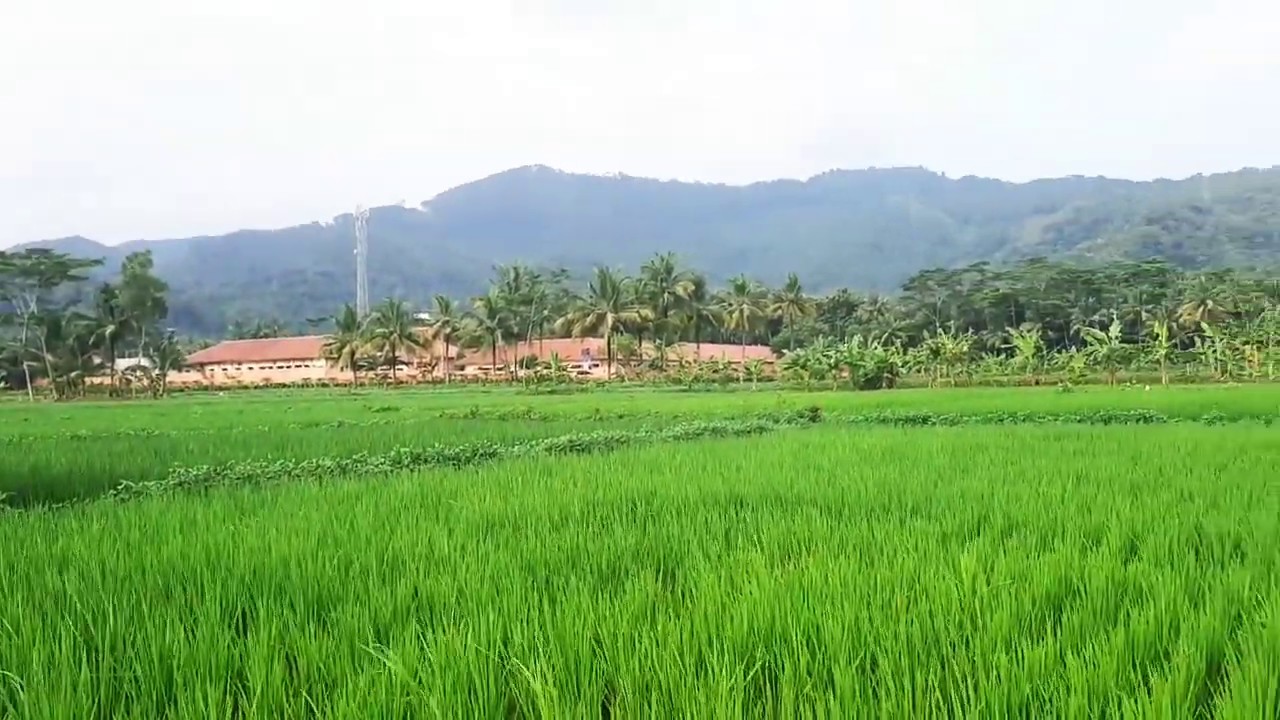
[362,258]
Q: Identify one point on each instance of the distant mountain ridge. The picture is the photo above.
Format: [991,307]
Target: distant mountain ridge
[863,229]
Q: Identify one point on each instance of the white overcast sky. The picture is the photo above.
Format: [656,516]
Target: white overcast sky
[123,119]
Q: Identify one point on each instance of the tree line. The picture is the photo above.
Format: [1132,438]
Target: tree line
[57,328]
[941,317]
[664,304]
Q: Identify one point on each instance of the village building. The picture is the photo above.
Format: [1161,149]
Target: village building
[587,357]
[300,360]
[580,356]
[259,362]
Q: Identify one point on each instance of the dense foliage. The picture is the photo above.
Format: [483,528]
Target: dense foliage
[1023,321]
[54,328]
[866,229]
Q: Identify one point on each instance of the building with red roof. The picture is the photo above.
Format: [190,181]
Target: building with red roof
[289,360]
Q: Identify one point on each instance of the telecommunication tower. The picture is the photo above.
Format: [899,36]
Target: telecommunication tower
[362,257]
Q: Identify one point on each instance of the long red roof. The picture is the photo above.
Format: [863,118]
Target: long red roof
[572,350]
[265,350]
[306,347]
[311,347]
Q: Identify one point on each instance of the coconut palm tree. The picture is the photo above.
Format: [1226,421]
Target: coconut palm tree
[393,334]
[789,304]
[743,306]
[346,346]
[1204,303]
[63,346]
[700,310]
[112,325]
[166,356]
[606,309]
[522,291]
[664,288]
[446,323]
[488,324]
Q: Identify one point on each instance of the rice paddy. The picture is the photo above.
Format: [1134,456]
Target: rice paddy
[782,555]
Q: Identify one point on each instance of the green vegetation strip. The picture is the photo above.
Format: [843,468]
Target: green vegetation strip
[454,456]
[49,471]
[1101,417]
[885,417]
[210,415]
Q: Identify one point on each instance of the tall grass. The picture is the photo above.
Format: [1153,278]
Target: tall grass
[839,572]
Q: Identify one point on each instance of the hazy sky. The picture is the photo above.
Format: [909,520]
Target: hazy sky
[162,118]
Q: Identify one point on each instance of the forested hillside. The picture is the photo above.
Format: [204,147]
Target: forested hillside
[868,230]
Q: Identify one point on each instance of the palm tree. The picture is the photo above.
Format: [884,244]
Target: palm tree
[112,324]
[664,287]
[743,308]
[166,357]
[522,291]
[488,323]
[1203,304]
[701,311]
[345,348]
[63,346]
[789,304]
[445,325]
[393,333]
[876,313]
[606,309]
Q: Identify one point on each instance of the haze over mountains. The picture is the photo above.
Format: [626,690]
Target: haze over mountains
[864,229]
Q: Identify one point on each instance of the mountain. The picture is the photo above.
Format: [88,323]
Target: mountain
[864,229]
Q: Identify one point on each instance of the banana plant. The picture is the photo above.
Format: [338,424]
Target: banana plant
[1214,349]
[883,365]
[947,354]
[852,360]
[753,370]
[869,364]
[1027,344]
[557,368]
[816,363]
[1269,333]
[1161,348]
[1073,362]
[1106,350]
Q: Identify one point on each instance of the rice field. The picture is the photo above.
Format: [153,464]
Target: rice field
[814,570]
[67,467]
[205,412]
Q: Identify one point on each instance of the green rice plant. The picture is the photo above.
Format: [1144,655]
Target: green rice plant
[187,459]
[977,571]
[51,458]
[269,409]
